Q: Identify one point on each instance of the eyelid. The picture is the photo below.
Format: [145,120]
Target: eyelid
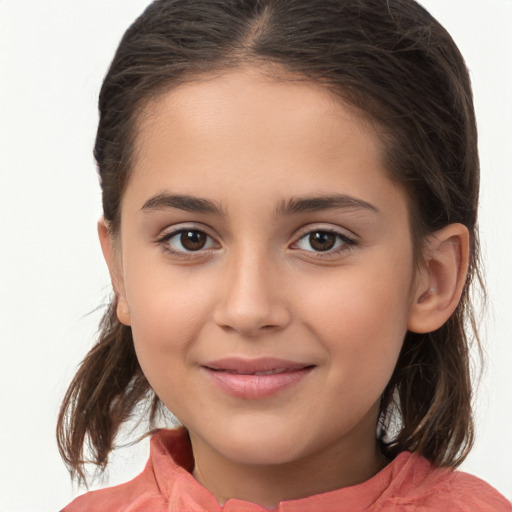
[172,231]
[349,239]
[325,227]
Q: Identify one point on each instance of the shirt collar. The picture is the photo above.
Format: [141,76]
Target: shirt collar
[172,463]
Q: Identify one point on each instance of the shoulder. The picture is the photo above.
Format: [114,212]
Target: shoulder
[165,471]
[142,492]
[425,488]
[470,493]
[119,498]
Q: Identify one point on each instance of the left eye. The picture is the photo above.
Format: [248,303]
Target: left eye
[322,241]
[188,240]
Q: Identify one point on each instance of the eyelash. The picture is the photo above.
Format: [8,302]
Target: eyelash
[342,243]
[166,239]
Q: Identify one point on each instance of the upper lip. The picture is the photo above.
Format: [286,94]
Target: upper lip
[261,364]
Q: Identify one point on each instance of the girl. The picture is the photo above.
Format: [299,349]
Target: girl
[290,196]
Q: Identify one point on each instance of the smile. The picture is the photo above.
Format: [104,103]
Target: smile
[257,378]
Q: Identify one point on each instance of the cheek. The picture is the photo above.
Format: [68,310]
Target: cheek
[166,301]
[167,315]
[361,316]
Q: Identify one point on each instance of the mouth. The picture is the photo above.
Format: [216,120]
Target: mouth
[255,378]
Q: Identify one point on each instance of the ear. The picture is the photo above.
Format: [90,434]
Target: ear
[113,260]
[441,279]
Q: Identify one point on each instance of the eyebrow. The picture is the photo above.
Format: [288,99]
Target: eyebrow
[183,202]
[318,203]
[291,206]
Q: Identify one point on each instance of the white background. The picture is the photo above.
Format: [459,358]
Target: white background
[53,55]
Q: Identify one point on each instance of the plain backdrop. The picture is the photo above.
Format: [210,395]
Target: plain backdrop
[53,56]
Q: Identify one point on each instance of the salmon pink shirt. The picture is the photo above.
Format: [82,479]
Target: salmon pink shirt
[409,483]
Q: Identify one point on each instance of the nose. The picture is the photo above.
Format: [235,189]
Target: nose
[253,299]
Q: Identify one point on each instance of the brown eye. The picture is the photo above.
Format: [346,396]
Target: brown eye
[322,240]
[183,242]
[193,240]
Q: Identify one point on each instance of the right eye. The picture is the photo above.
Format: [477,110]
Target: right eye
[186,241]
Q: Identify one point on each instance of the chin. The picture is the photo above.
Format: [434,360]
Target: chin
[262,446]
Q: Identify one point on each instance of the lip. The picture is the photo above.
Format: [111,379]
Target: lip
[255,378]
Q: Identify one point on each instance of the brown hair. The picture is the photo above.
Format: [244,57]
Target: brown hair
[400,68]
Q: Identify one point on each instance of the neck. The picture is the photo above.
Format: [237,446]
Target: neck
[336,466]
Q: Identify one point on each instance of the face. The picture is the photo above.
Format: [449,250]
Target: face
[265,265]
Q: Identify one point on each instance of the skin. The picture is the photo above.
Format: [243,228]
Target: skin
[258,287]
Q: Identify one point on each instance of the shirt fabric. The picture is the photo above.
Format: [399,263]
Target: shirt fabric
[408,483]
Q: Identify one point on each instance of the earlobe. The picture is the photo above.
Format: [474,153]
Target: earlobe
[123,314]
[114,267]
[441,280]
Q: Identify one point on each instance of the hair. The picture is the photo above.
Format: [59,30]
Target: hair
[393,62]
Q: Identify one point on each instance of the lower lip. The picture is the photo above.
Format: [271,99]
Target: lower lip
[256,386]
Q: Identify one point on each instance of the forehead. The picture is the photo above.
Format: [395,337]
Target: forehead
[251,98]
[245,130]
